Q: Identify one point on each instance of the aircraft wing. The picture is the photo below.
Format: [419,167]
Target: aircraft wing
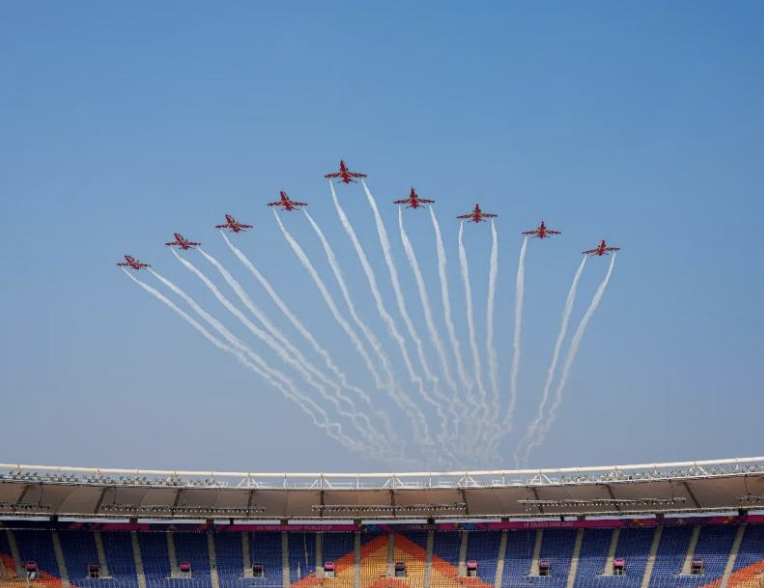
[426,201]
[277,203]
[299,203]
[335,175]
[554,232]
[465,216]
[589,252]
[404,201]
[534,232]
[488,215]
[356,175]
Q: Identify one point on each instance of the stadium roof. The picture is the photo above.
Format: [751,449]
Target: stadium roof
[679,487]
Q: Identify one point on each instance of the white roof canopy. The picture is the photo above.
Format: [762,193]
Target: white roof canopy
[703,486]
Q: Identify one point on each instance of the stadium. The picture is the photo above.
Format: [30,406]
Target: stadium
[340,279]
[688,524]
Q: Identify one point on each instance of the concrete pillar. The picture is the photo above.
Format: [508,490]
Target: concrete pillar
[574,560]
[214,578]
[285,579]
[391,555]
[319,555]
[428,562]
[463,554]
[651,557]
[500,559]
[536,553]
[246,559]
[687,566]
[357,561]
[20,571]
[138,559]
[172,555]
[102,561]
[608,571]
[733,555]
[63,572]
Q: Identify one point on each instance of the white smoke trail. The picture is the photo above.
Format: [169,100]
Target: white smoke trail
[566,312]
[483,400]
[386,318]
[271,342]
[519,294]
[305,261]
[443,276]
[364,426]
[575,342]
[299,327]
[276,379]
[402,401]
[437,400]
[493,370]
[435,339]
[392,385]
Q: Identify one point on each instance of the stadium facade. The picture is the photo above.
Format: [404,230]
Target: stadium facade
[688,524]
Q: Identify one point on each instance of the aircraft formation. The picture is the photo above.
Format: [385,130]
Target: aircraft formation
[472,432]
[344,175]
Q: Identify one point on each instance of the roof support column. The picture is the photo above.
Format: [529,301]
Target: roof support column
[357,560]
[536,553]
[463,554]
[608,571]
[687,566]
[428,561]
[651,557]
[574,560]
[500,559]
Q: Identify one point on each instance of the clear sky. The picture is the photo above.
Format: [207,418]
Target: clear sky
[120,123]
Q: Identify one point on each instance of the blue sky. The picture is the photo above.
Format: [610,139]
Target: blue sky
[122,123]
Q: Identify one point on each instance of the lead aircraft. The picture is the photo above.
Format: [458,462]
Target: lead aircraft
[476,215]
[413,200]
[345,175]
[286,203]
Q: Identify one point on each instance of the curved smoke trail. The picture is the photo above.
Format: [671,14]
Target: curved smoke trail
[393,389]
[493,371]
[437,399]
[487,417]
[570,358]
[271,342]
[519,294]
[386,318]
[446,299]
[305,261]
[296,323]
[365,426]
[254,363]
[566,312]
[435,339]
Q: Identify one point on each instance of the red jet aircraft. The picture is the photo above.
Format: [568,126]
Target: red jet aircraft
[232,224]
[413,200]
[602,249]
[133,263]
[286,203]
[182,242]
[477,215]
[541,232]
[345,175]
